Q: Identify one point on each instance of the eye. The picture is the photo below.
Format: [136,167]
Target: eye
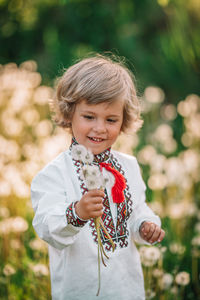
[111,120]
[88,117]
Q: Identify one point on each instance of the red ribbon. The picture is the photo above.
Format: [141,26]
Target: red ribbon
[120,183]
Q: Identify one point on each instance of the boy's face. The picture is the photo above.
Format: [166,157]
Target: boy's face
[96,126]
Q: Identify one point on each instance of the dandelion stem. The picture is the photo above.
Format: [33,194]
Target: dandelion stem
[97,226]
[107,234]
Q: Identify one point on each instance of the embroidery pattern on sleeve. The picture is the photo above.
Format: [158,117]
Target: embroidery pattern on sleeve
[72,219]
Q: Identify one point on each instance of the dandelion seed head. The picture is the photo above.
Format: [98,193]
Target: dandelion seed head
[176,248]
[9,270]
[78,152]
[40,270]
[182,278]
[166,281]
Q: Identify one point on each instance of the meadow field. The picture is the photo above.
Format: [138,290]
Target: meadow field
[167,148]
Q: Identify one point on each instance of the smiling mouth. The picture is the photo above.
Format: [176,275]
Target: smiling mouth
[94,139]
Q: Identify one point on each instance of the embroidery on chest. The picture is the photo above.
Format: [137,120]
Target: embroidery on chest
[119,231]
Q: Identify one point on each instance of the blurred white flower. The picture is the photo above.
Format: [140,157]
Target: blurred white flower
[20,100]
[38,244]
[187,139]
[13,224]
[78,152]
[193,124]
[16,244]
[154,94]
[42,95]
[157,163]
[197,227]
[149,294]
[157,208]
[126,143]
[176,248]
[157,181]
[163,135]
[9,150]
[9,270]
[165,281]
[182,278]
[19,224]
[5,226]
[149,255]
[196,241]
[40,270]
[146,155]
[30,116]
[13,126]
[51,146]
[168,112]
[174,170]
[189,106]
[174,290]
[4,212]
[29,65]
[181,209]
[157,273]
[198,214]
[170,146]
[43,128]
[5,188]
[163,132]
[163,249]
[191,161]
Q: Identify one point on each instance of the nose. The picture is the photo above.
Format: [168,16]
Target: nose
[100,126]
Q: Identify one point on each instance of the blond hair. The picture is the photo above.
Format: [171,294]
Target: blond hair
[97,79]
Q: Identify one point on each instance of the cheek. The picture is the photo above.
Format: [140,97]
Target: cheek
[115,131]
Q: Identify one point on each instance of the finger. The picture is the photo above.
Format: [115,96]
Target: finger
[145,228]
[97,207]
[155,234]
[96,200]
[96,214]
[161,236]
[96,193]
[151,231]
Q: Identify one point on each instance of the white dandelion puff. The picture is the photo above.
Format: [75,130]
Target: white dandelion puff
[88,158]
[37,244]
[176,248]
[78,152]
[182,278]
[40,270]
[150,294]
[197,227]
[166,281]
[196,241]
[92,182]
[149,255]
[9,270]
[157,273]
[91,171]
[108,179]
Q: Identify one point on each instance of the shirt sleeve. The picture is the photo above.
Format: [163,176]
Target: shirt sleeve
[141,211]
[55,221]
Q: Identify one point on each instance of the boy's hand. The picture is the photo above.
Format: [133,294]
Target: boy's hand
[151,232]
[90,205]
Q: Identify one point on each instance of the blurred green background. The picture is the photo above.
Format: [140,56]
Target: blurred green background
[160,41]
